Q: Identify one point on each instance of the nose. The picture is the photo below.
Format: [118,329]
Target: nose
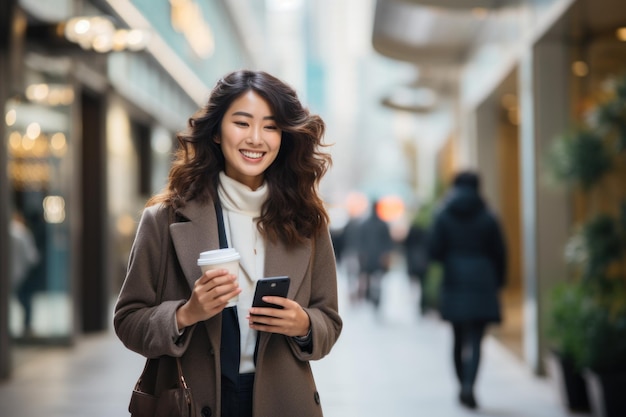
[256,136]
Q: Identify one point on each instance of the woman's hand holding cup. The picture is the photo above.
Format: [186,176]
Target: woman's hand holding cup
[210,295]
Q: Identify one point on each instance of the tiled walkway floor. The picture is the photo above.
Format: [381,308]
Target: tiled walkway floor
[386,363]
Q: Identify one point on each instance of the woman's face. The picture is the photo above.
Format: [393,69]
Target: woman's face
[250,139]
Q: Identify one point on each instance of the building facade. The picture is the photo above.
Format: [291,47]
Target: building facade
[92,94]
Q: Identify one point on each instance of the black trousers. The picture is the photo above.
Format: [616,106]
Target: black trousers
[236,388]
[467,343]
[237,398]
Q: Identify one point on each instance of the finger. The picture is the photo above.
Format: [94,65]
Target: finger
[209,297]
[265,311]
[225,297]
[214,303]
[279,301]
[223,284]
[211,274]
[216,281]
[222,292]
[263,323]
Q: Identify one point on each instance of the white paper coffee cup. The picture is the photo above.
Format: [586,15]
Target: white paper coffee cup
[227,258]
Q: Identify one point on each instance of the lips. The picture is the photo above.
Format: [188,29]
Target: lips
[252,155]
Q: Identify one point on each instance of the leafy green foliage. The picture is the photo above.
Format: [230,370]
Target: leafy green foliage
[604,322]
[589,325]
[579,158]
[610,117]
[588,315]
[432,286]
[604,245]
[565,330]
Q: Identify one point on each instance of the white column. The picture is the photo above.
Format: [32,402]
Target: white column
[543,89]
[486,131]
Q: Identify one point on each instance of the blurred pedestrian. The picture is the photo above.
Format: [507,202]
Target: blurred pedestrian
[349,255]
[25,256]
[467,239]
[257,151]
[375,247]
[416,255]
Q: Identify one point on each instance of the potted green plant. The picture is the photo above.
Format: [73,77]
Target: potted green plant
[566,338]
[588,314]
[603,356]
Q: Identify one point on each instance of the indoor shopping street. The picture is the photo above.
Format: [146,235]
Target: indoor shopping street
[387,363]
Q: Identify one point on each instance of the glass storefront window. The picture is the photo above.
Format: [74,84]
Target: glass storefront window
[38,140]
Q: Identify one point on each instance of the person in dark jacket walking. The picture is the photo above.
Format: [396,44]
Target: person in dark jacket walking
[374,246]
[466,238]
[417,260]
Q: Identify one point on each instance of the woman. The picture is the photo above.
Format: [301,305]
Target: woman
[256,151]
[467,239]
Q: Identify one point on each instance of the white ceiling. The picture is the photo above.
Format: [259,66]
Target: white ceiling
[416,31]
[440,38]
[411,33]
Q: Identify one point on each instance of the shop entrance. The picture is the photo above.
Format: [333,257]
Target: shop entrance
[39,166]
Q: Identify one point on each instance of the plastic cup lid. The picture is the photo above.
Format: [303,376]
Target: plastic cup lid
[218,256]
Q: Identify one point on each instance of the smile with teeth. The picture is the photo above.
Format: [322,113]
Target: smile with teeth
[252,155]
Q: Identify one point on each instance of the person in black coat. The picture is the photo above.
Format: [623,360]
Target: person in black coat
[466,238]
[374,248]
[417,260]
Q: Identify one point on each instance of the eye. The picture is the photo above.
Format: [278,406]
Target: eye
[240,123]
[271,127]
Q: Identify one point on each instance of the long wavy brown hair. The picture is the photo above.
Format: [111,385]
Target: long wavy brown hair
[293,210]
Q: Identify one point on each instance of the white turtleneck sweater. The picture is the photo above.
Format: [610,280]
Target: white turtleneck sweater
[242,208]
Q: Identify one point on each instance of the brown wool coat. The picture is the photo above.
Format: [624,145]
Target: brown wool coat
[284,384]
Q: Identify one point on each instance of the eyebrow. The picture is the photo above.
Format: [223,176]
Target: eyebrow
[245,114]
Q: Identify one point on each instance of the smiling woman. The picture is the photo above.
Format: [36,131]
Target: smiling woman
[245,176]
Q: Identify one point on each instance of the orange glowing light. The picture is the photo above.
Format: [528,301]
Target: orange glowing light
[390,208]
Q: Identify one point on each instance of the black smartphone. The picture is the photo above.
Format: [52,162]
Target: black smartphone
[277,286]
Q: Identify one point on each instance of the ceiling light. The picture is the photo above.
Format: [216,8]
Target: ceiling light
[10,117]
[50,94]
[411,99]
[98,33]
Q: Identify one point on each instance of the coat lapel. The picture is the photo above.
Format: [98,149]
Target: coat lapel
[197,234]
[292,261]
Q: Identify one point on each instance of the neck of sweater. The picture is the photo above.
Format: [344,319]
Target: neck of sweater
[239,198]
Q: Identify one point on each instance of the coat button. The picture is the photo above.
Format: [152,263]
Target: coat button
[316,397]
[206,412]
[212,351]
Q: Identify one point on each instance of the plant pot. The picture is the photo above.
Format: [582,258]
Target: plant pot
[606,393]
[570,383]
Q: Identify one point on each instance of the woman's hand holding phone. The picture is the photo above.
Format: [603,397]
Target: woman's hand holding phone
[290,320]
[272,312]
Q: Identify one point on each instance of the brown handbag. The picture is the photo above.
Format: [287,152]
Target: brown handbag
[176,401]
[173,402]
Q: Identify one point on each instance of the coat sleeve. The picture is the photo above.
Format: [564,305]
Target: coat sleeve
[142,325]
[326,324]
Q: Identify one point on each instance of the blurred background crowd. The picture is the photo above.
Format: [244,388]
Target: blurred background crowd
[528,94]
